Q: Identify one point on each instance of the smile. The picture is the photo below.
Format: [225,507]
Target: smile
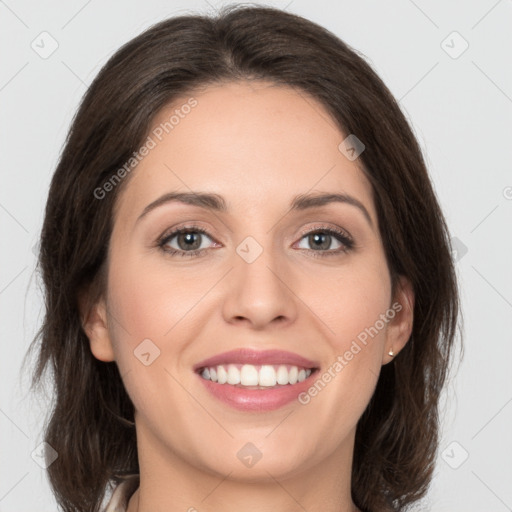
[256,376]
[252,380]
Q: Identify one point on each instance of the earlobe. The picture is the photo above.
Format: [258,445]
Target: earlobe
[94,324]
[400,326]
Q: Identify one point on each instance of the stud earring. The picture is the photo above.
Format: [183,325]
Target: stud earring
[391,353]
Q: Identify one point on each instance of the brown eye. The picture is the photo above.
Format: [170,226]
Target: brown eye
[189,240]
[185,241]
[321,241]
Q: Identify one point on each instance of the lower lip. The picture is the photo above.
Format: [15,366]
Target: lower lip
[246,399]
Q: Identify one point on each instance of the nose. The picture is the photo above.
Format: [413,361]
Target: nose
[261,292]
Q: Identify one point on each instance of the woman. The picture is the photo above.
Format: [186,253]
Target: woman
[250,298]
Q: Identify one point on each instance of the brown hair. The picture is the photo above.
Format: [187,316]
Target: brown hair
[397,436]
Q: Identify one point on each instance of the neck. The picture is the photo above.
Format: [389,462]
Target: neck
[171,483]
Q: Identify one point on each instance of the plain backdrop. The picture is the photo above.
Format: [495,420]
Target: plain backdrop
[448,64]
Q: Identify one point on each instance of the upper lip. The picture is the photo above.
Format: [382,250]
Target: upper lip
[257,357]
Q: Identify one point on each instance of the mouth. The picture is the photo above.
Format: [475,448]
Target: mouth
[251,376]
[251,380]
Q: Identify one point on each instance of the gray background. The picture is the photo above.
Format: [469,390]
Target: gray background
[460,106]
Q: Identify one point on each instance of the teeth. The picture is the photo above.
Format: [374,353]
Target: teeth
[222,375]
[282,375]
[267,376]
[233,375]
[250,375]
[292,374]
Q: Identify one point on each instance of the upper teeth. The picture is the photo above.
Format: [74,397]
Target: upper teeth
[251,375]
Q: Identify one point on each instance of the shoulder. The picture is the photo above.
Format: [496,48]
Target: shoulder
[122,493]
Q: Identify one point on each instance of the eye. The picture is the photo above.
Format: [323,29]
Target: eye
[321,239]
[185,241]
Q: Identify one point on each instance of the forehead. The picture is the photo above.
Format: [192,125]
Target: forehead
[256,143]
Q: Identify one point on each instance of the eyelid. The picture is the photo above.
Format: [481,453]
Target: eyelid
[326,227]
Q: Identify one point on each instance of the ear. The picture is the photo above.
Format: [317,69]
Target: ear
[94,323]
[400,325]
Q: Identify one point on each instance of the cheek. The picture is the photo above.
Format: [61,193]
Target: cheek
[359,321]
[148,300]
[355,307]
[353,303]
[158,314]
[147,309]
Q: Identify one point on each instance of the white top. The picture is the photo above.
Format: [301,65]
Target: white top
[122,494]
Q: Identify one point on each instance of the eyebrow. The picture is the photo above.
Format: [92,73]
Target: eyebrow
[215,202]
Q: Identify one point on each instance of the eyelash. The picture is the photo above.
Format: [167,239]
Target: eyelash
[341,236]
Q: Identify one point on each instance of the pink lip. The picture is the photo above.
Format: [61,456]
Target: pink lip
[261,400]
[257,357]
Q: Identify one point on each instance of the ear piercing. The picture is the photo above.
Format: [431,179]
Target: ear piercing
[391,353]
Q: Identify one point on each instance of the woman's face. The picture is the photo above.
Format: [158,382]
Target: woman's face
[268,273]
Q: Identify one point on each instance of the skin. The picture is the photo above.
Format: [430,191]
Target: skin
[258,145]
